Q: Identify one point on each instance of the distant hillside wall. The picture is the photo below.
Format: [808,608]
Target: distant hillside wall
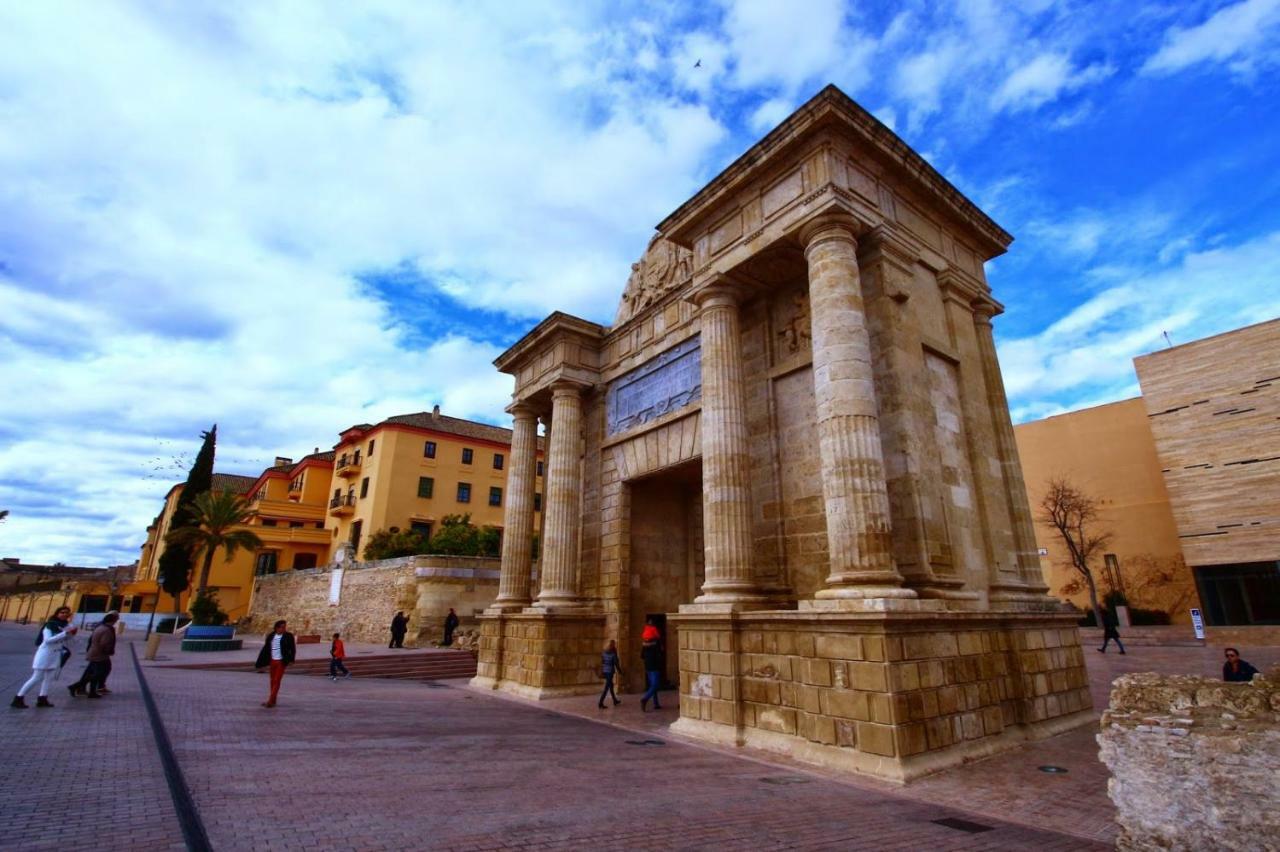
[423,587]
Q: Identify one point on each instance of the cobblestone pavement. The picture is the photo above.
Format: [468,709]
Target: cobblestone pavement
[379,764]
[84,772]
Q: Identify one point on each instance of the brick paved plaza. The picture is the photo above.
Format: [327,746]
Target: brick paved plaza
[381,764]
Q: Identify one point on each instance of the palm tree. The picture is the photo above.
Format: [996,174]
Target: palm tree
[214,518]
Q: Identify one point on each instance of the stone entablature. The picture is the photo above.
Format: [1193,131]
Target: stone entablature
[847,449]
[1193,762]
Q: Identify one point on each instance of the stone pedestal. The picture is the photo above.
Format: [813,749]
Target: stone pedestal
[540,655]
[897,695]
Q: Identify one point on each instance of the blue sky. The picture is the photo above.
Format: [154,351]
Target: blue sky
[291,217]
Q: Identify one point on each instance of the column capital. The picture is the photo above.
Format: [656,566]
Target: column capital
[984,309]
[565,388]
[883,241]
[522,409]
[719,290]
[829,226]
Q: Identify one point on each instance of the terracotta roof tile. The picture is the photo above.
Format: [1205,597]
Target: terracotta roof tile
[233,482]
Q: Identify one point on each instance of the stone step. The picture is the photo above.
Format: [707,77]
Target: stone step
[1172,636]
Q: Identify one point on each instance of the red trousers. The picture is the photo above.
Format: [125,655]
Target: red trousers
[277,675]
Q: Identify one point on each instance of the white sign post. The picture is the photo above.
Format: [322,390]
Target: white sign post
[1198,623]
[335,587]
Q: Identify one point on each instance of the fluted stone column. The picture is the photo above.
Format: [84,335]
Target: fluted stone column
[853,478]
[913,471]
[726,487]
[562,500]
[517,540]
[1024,534]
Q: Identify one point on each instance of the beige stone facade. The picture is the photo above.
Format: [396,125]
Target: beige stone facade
[793,449]
[359,600]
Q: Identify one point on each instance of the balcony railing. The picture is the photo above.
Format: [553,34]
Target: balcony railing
[343,505]
[348,465]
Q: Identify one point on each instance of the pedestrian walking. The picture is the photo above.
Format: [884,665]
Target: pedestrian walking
[52,654]
[337,653]
[1236,670]
[1110,631]
[651,654]
[450,625]
[277,653]
[609,666]
[399,627]
[102,646]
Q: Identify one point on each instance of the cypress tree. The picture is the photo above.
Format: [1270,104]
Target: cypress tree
[176,561]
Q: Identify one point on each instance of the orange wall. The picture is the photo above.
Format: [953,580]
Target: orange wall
[1109,453]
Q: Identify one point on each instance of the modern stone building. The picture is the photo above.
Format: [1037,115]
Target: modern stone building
[1188,480]
[793,450]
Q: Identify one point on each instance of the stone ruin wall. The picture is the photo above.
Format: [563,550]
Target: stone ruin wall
[1194,762]
[372,592]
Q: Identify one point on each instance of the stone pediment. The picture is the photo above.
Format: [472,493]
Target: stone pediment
[664,267]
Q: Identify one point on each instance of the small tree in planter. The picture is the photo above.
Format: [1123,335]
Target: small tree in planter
[205,611]
[457,537]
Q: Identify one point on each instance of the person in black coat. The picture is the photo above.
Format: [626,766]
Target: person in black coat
[450,625]
[399,627]
[1109,631]
[277,653]
[1236,670]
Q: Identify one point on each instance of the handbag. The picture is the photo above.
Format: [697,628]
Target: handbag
[63,656]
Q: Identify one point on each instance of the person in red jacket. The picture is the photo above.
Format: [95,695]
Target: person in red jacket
[337,653]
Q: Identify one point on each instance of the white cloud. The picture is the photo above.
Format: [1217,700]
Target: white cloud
[1043,79]
[189,206]
[1087,354]
[1243,35]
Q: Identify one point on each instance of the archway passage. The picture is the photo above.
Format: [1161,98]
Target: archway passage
[666,559]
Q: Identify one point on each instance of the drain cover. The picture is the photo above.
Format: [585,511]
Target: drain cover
[785,779]
[1052,770]
[963,825]
[645,742]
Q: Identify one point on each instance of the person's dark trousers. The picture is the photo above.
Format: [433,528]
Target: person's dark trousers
[104,669]
[397,640]
[335,665]
[608,690]
[448,637]
[1107,640]
[651,680]
[92,678]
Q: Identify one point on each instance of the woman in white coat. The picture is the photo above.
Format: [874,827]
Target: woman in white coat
[48,658]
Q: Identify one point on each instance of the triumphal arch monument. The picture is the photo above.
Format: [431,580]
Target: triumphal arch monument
[793,449]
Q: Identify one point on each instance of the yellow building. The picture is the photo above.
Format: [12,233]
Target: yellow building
[289,513]
[233,580]
[1108,453]
[412,470]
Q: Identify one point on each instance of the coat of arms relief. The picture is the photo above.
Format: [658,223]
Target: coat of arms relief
[664,267]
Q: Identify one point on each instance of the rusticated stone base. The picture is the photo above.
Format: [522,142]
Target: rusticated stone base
[540,655]
[1193,762]
[897,695]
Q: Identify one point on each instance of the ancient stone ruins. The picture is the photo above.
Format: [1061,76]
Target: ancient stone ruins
[793,450]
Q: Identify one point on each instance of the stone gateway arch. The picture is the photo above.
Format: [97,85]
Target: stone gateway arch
[793,448]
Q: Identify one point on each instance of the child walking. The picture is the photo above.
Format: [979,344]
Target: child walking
[337,653]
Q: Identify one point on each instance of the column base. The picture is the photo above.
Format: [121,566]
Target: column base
[912,604]
[560,606]
[499,607]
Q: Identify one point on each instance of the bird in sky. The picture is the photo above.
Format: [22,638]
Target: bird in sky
[698,64]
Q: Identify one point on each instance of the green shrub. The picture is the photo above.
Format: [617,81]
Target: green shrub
[394,543]
[205,611]
[457,537]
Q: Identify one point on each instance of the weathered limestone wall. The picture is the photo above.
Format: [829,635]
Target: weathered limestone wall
[894,696]
[1193,762]
[424,587]
[541,655]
